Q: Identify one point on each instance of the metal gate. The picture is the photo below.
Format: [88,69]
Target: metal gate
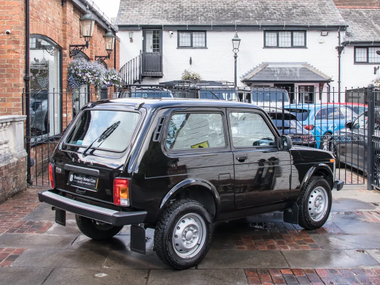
[373,137]
[49,114]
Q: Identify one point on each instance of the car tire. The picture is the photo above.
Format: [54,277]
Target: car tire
[183,234]
[315,203]
[96,230]
[324,144]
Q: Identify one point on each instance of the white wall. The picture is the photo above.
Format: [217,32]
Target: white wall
[217,61]
[356,75]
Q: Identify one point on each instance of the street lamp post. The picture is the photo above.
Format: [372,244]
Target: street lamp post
[235,48]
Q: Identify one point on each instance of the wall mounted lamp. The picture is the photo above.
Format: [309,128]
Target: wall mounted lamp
[87,23]
[131,37]
[109,40]
[375,69]
[324,33]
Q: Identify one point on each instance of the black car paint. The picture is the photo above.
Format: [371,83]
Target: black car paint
[157,175]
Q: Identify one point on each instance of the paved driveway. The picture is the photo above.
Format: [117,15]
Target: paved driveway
[262,249]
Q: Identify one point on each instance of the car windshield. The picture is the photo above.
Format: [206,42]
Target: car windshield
[106,130]
[269,96]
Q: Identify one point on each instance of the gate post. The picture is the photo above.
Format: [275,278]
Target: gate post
[370,149]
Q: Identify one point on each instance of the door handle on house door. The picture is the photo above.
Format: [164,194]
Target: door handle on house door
[241,158]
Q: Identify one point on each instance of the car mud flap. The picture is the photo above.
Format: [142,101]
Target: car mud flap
[138,239]
[60,216]
[291,215]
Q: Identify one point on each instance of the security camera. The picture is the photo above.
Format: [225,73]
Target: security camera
[8,32]
[171,33]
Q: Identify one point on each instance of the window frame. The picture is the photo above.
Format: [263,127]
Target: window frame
[191,40]
[291,39]
[367,55]
[56,128]
[265,118]
[174,112]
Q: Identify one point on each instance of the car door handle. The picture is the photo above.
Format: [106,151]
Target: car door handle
[241,158]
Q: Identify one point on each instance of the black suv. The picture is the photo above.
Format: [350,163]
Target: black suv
[179,166]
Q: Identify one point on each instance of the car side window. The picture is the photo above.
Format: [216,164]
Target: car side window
[195,131]
[250,129]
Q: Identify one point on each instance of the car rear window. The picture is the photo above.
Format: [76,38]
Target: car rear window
[103,129]
[301,114]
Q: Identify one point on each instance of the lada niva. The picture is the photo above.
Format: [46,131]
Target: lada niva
[180,166]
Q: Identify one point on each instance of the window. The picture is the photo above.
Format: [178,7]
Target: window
[367,55]
[250,129]
[45,87]
[285,39]
[192,39]
[306,94]
[106,130]
[195,131]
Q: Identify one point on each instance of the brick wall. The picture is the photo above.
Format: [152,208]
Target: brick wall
[48,18]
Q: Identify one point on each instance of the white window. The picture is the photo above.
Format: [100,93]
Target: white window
[191,39]
[285,39]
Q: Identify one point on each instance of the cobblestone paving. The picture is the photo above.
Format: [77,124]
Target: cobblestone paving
[276,236]
[313,276]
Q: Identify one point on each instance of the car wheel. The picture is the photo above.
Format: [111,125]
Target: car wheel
[95,229]
[183,234]
[315,203]
[325,141]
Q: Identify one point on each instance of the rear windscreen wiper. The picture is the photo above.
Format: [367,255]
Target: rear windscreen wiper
[103,136]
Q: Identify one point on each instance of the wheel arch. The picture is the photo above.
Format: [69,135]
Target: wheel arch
[319,170]
[196,189]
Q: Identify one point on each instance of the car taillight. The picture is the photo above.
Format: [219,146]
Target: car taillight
[307,138]
[309,127]
[121,191]
[51,175]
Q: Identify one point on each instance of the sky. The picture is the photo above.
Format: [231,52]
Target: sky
[109,7]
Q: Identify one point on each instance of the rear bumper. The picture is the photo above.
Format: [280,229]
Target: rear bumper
[113,217]
[338,184]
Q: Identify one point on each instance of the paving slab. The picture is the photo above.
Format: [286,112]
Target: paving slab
[197,277]
[103,276]
[329,259]
[23,276]
[132,260]
[218,259]
[355,222]
[62,258]
[347,241]
[375,253]
[36,241]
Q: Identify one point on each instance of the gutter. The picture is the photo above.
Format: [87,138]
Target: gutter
[231,27]
[100,18]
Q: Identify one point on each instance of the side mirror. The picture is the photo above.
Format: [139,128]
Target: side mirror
[348,125]
[285,143]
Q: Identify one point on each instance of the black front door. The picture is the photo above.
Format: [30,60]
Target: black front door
[152,55]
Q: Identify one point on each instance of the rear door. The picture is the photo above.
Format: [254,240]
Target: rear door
[94,151]
[262,170]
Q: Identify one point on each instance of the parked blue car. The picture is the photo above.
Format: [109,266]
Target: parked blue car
[322,120]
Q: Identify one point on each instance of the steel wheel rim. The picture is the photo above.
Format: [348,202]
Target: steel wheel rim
[189,235]
[317,204]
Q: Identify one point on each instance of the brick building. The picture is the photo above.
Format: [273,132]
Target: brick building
[51,27]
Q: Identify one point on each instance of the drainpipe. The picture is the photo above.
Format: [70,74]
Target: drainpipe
[27,88]
[339,48]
